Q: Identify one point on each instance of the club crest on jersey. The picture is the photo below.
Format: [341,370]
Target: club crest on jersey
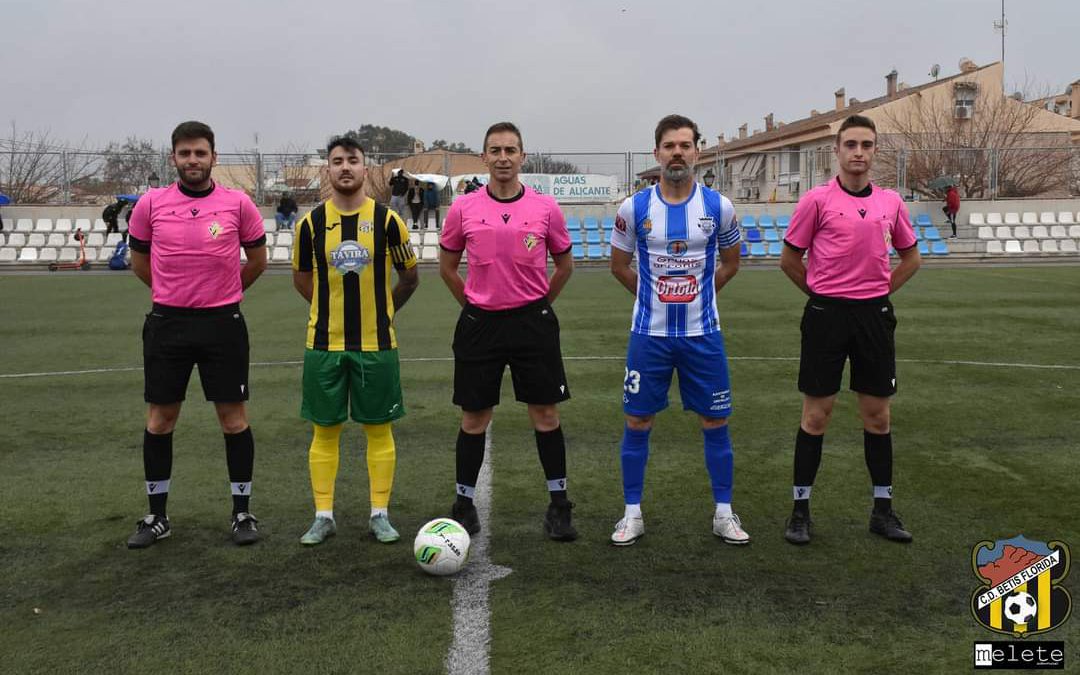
[364,226]
[215,229]
[677,247]
[706,224]
[677,288]
[620,224]
[530,241]
[1020,593]
[349,256]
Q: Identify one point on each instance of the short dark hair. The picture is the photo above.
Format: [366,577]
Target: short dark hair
[499,127]
[348,143]
[189,131]
[857,121]
[672,122]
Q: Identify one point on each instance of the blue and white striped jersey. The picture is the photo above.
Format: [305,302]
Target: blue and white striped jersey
[677,247]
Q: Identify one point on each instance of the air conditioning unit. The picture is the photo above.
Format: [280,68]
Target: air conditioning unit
[962,113]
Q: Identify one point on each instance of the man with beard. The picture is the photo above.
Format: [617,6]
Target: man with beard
[344,250]
[678,228]
[185,245]
[845,228]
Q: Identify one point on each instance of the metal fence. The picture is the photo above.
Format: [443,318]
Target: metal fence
[777,176]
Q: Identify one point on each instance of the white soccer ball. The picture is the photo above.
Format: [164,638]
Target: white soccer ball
[1020,607]
[441,547]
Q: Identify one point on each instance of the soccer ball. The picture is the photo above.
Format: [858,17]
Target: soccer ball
[441,547]
[1020,607]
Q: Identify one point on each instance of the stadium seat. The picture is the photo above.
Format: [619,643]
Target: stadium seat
[744,250]
[753,235]
[783,221]
[575,237]
[16,240]
[939,248]
[596,252]
[99,225]
[986,232]
[579,250]
[976,219]
[281,254]
[269,240]
[1031,246]
[766,221]
[771,235]
[994,246]
[47,254]
[55,239]
[1029,218]
[1068,246]
[1065,218]
[9,224]
[917,231]
[1012,218]
[757,250]
[748,221]
[1049,246]
[269,224]
[24,225]
[1003,232]
[414,238]
[932,234]
[1022,232]
[283,239]
[95,239]
[1013,246]
[36,240]
[573,224]
[993,219]
[112,239]
[83,224]
[924,248]
[774,249]
[104,254]
[2,238]
[923,220]
[429,253]
[1074,231]
[1039,232]
[591,224]
[69,254]
[1047,218]
[592,238]
[63,225]
[43,225]
[1058,232]
[8,255]
[28,254]
[430,239]
[608,223]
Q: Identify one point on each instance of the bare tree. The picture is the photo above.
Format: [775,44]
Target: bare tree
[128,165]
[34,169]
[965,142]
[545,164]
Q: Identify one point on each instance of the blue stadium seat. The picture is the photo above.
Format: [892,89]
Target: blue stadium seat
[596,252]
[924,248]
[771,235]
[592,237]
[753,235]
[939,248]
[774,249]
[757,250]
[575,237]
[748,221]
[743,250]
[923,220]
[573,224]
[579,250]
[932,234]
[918,233]
[765,221]
[608,223]
[783,221]
[591,224]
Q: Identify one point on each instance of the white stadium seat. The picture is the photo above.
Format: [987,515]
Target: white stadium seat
[1065,218]
[47,254]
[56,239]
[1031,246]
[24,225]
[91,253]
[414,238]
[1059,232]
[36,240]
[1002,232]
[269,240]
[986,232]
[83,224]
[9,224]
[43,225]
[429,253]
[1049,246]
[16,240]
[1013,246]
[431,239]
[95,239]
[28,254]
[1047,218]
[1022,232]
[104,254]
[269,224]
[63,225]
[99,225]
[1074,232]
[112,239]
[281,254]
[8,255]
[976,219]
[1039,232]
[1068,246]
[243,255]
[1029,218]
[2,238]
[1012,218]
[994,246]
[993,219]
[68,254]
[284,239]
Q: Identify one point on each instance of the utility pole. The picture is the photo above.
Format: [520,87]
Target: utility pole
[1002,26]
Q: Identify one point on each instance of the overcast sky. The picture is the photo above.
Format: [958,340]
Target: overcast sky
[584,75]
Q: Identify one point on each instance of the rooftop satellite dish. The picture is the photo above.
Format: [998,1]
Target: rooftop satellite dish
[934,70]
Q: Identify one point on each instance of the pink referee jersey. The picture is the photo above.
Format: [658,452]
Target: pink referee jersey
[194,242]
[507,244]
[847,239]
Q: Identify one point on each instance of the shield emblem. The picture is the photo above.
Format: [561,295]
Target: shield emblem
[1021,593]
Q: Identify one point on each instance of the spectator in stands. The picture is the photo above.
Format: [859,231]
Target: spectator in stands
[952,206]
[431,204]
[127,220]
[111,215]
[416,203]
[399,186]
[286,212]
[472,185]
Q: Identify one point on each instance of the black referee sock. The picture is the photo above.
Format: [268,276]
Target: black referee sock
[877,449]
[551,445]
[469,459]
[807,461]
[157,467]
[240,456]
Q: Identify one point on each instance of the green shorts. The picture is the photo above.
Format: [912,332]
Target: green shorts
[365,384]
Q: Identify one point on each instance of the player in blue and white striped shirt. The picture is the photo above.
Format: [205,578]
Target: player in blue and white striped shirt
[678,229]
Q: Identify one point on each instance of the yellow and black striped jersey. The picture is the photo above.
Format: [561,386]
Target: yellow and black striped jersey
[351,254]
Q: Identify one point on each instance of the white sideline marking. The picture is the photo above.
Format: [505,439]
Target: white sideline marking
[468,653]
[426,359]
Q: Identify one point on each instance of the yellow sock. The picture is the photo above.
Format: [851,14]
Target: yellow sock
[323,462]
[381,458]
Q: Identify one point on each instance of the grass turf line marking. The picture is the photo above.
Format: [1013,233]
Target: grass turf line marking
[425,359]
[468,653]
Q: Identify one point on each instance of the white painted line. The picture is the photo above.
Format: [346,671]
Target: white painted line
[469,651]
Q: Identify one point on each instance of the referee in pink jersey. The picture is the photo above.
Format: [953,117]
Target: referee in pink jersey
[508,230]
[185,245]
[846,228]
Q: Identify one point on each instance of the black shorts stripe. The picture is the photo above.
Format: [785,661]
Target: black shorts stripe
[322,317]
[350,288]
[382,319]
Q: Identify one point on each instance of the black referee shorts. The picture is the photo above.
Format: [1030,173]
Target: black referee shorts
[215,339]
[524,338]
[837,329]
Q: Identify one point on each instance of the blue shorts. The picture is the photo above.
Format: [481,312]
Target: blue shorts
[703,374]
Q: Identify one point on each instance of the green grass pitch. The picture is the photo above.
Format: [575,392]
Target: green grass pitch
[982,452]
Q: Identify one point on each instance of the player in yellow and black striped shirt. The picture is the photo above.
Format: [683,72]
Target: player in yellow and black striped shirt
[342,257]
